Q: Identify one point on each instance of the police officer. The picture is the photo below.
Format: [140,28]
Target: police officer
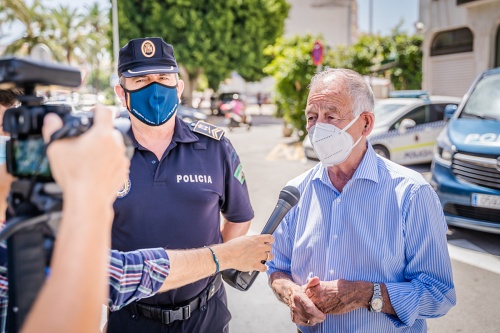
[181,178]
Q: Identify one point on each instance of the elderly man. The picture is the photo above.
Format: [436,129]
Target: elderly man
[181,179]
[365,248]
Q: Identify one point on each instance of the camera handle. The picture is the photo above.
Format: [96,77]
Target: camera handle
[27,255]
[30,237]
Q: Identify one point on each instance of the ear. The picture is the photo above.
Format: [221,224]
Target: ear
[120,93]
[180,88]
[369,121]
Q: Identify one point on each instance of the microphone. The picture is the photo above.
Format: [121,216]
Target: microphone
[289,196]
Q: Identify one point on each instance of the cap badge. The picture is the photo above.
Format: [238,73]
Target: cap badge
[148,49]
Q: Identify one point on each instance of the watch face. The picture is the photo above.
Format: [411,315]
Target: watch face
[376,304]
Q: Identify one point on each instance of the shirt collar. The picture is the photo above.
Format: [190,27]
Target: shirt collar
[182,133]
[367,169]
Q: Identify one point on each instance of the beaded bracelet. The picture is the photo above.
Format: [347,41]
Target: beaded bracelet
[215,260]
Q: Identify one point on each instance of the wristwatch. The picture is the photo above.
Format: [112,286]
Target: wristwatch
[377,303]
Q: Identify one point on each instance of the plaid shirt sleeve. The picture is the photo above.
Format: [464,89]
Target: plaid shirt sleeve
[4,301]
[135,275]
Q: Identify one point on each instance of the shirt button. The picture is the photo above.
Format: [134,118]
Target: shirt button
[332,272]
[335,236]
[154,162]
[338,200]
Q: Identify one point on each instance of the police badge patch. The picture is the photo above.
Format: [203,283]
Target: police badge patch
[148,49]
[124,190]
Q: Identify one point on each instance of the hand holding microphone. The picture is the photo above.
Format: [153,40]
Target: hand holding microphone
[289,196]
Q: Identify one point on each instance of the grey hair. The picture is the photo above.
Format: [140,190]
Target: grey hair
[358,89]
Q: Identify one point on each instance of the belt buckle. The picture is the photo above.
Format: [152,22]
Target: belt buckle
[182,313]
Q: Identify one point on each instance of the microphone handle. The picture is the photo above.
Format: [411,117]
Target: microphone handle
[244,280]
[282,207]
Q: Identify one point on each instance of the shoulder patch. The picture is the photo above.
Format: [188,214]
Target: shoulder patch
[207,129]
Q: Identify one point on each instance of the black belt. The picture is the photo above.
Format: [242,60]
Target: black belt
[168,314]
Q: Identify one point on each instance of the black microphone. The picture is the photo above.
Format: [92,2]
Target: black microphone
[289,196]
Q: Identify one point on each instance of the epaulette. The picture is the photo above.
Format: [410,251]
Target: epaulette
[207,129]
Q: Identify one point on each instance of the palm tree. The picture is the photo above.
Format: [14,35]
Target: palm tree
[69,34]
[97,20]
[34,20]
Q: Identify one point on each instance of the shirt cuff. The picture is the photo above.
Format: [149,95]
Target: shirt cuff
[405,303]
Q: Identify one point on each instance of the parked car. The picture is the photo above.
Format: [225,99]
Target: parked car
[466,164]
[405,129]
[226,98]
[190,115]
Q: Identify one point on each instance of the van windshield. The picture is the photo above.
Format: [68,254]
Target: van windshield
[484,101]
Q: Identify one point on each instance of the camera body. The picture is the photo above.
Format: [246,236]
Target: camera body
[25,151]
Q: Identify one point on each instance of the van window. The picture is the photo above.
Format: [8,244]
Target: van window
[484,101]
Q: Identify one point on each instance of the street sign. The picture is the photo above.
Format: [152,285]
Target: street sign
[317,53]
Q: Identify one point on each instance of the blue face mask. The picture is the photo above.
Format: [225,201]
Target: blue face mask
[153,104]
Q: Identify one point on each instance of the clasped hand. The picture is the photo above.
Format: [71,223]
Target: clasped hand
[310,302]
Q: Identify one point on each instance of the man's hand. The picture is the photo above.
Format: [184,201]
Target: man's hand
[339,296]
[94,163]
[302,310]
[245,253]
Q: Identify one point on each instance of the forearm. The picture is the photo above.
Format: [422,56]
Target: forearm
[79,268]
[188,266]
[359,294]
[231,230]
[283,286]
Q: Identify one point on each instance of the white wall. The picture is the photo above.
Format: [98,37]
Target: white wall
[452,74]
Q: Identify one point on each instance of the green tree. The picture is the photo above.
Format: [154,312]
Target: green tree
[96,19]
[292,67]
[34,19]
[407,74]
[210,37]
[70,34]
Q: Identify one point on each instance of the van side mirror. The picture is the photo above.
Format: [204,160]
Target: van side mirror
[449,110]
[406,124]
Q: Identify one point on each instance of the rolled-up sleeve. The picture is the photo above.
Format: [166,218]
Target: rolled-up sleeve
[135,275]
[429,291]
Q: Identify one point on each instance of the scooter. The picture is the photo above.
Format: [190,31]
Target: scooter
[233,120]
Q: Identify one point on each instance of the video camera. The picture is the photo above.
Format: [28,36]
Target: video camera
[35,201]
[25,150]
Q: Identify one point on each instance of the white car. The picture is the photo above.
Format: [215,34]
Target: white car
[405,129]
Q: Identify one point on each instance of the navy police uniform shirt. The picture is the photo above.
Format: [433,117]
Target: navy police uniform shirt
[176,202]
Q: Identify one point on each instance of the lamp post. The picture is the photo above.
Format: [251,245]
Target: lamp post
[116,41]
[370,18]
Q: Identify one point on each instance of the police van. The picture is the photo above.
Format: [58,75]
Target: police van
[406,129]
[466,164]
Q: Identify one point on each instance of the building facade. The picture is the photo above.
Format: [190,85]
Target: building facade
[461,40]
[335,20]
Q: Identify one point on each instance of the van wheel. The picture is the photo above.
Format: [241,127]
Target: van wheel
[382,151]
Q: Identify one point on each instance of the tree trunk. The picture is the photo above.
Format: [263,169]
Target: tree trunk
[190,83]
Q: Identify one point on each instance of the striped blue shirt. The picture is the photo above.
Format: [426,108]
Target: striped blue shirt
[387,225]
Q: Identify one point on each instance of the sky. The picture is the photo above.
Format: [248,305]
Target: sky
[386,13]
